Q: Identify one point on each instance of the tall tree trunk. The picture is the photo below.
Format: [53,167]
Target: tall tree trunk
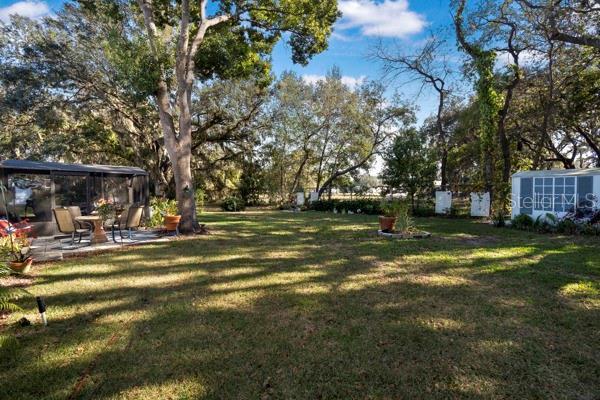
[179,142]
[442,136]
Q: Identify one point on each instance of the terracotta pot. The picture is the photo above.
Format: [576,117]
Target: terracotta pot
[387,224]
[21,267]
[171,222]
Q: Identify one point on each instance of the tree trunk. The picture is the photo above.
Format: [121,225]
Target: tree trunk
[442,136]
[179,144]
[444,168]
[184,190]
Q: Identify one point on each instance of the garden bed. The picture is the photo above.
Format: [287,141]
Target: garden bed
[404,235]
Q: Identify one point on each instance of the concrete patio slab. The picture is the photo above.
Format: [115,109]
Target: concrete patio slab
[53,249]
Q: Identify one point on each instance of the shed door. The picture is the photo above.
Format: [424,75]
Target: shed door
[526,196]
[585,191]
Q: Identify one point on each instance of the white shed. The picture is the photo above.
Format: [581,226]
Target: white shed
[554,191]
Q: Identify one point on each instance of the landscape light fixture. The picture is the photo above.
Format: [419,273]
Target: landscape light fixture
[42,309]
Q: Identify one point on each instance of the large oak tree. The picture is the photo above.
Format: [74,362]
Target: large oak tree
[190,41]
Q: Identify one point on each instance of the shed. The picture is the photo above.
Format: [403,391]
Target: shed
[554,191]
[34,188]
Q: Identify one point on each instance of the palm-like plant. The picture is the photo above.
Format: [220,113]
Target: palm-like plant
[9,295]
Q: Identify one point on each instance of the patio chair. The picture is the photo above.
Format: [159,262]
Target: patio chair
[130,218]
[66,225]
[75,212]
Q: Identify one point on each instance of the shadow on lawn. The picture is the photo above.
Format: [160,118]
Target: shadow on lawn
[348,319]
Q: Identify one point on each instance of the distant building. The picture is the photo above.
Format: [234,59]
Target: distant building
[537,193]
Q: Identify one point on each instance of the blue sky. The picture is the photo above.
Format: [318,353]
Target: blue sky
[364,24]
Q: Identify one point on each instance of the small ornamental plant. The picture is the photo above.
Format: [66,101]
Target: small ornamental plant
[13,248]
[395,217]
[105,208]
[393,209]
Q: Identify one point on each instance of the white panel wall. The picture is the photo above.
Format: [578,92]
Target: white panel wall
[443,202]
[516,193]
[480,204]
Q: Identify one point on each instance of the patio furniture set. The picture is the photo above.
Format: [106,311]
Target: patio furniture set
[71,222]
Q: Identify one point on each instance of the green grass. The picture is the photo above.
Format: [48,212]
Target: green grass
[277,305]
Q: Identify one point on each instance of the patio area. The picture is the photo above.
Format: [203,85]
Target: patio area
[50,248]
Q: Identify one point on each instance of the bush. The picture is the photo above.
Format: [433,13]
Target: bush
[286,206]
[523,222]
[423,212]
[364,206]
[545,223]
[393,208]
[358,206]
[574,223]
[9,295]
[233,204]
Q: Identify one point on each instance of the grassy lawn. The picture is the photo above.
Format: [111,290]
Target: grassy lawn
[277,305]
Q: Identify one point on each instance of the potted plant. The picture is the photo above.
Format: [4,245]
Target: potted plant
[105,209]
[18,252]
[170,216]
[391,211]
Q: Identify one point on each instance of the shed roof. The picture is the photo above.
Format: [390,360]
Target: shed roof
[63,167]
[557,172]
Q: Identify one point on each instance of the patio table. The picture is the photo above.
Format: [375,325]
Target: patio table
[98,235]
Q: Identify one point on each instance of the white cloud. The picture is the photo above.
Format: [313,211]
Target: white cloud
[390,18]
[526,58]
[31,9]
[350,81]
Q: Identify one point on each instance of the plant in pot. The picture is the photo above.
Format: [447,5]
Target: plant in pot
[170,215]
[105,209]
[17,250]
[394,214]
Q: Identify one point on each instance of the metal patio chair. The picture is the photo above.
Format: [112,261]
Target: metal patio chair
[66,224]
[130,218]
[76,212]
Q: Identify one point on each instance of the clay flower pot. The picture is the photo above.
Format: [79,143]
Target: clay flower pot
[171,222]
[387,224]
[21,267]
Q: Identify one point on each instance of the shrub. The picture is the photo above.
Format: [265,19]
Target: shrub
[574,223]
[233,204]
[364,206]
[286,206]
[9,295]
[523,222]
[545,223]
[358,206]
[568,226]
[423,212]
[393,208]
[13,248]
[589,229]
